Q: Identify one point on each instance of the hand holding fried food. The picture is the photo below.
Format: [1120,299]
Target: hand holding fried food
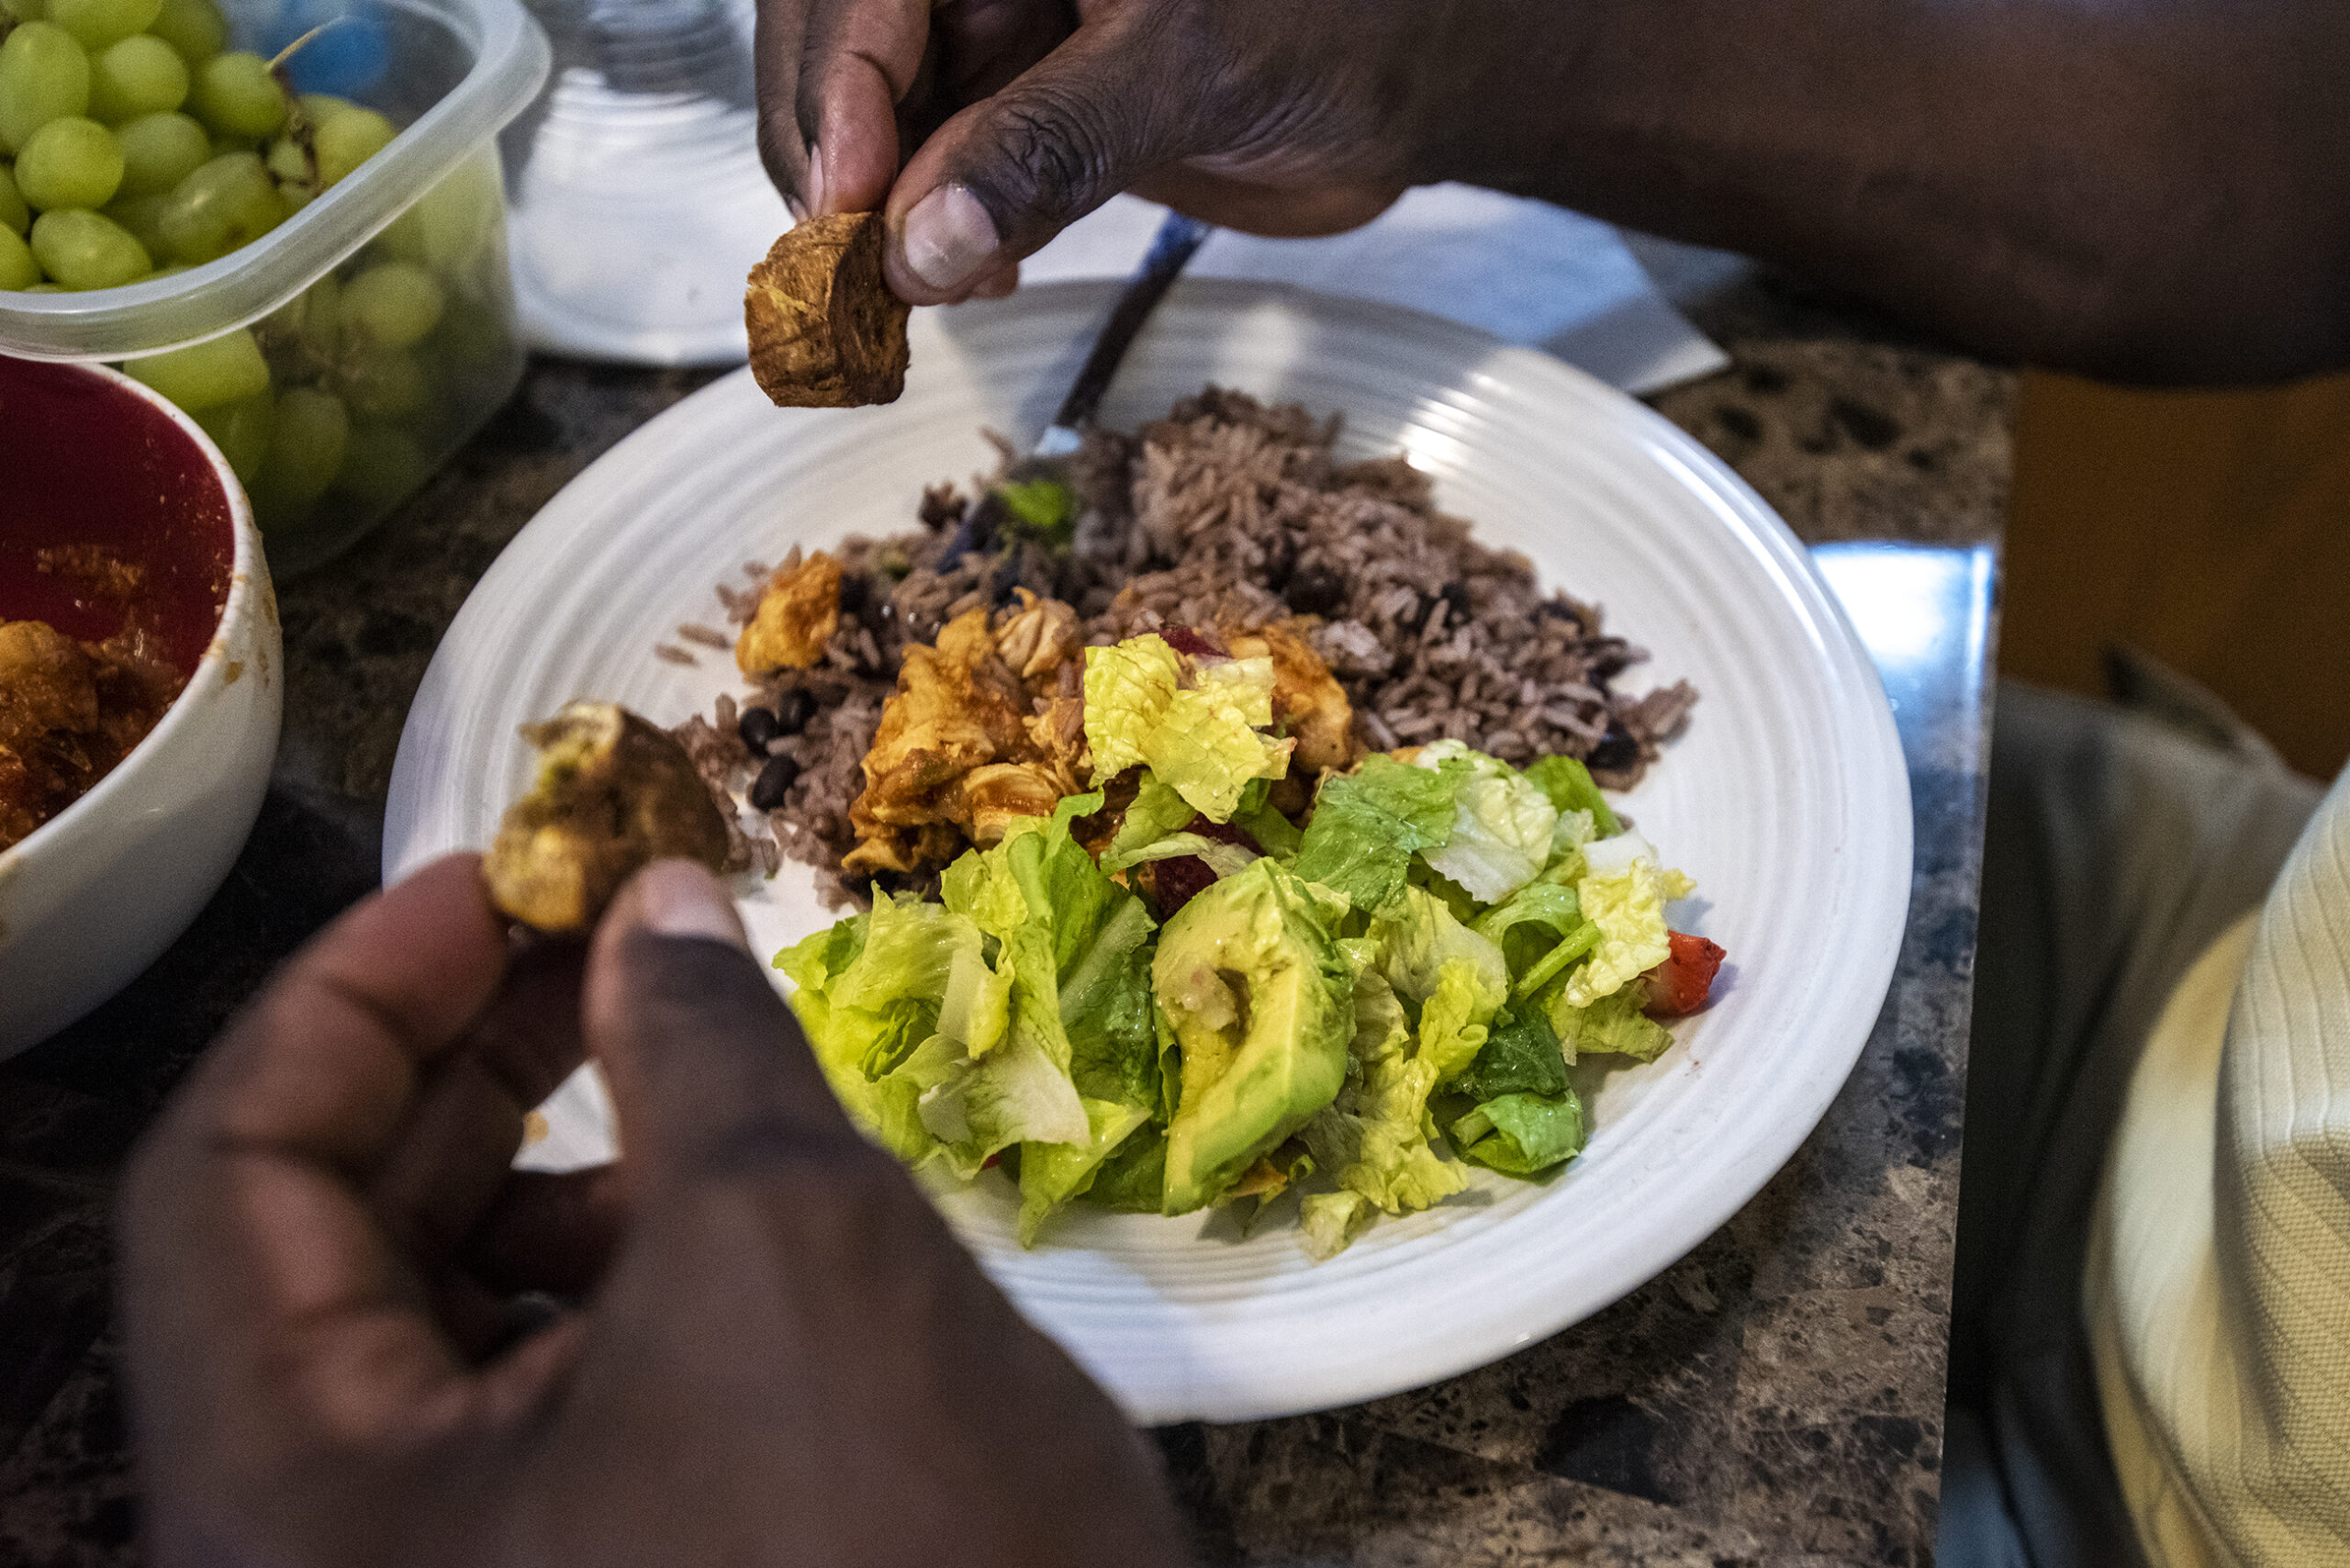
[825,331]
[613,794]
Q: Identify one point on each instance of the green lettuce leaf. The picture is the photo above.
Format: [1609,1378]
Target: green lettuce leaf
[1521,1134]
[1223,860]
[1133,1180]
[1373,1139]
[1416,935]
[1530,924]
[1128,688]
[1203,741]
[1623,892]
[1332,1221]
[1522,1056]
[1502,824]
[1274,833]
[1156,812]
[1367,826]
[1612,1025]
[1053,1173]
[1043,509]
[1569,785]
[1017,1094]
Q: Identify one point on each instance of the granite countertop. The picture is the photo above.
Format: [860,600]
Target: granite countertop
[1776,1395]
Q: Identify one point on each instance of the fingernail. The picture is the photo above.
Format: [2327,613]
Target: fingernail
[815,181]
[679,898]
[949,237]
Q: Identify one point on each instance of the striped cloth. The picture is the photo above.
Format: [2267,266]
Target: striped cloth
[2217,1293]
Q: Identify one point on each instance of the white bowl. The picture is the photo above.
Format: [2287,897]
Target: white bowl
[95,894]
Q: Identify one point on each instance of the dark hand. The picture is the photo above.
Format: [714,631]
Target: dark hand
[1021,115]
[786,1359]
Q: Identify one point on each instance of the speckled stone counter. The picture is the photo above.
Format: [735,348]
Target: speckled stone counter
[1775,1396]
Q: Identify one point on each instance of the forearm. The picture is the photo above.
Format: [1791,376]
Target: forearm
[2144,189]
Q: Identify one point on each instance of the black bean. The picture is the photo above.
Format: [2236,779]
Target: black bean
[793,710]
[1456,600]
[856,592]
[1314,590]
[1552,610]
[758,726]
[1616,751]
[778,777]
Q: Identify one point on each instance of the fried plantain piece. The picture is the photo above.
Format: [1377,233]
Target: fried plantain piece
[614,792]
[825,331]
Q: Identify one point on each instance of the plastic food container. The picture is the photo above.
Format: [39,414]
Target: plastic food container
[342,426]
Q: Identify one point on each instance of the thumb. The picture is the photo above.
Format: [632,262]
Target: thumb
[709,1068]
[997,181]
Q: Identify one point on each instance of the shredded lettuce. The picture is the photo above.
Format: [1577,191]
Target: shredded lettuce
[1623,892]
[1415,936]
[1374,1138]
[1569,785]
[1502,824]
[1202,741]
[1274,833]
[1535,912]
[1053,1173]
[1522,1056]
[1367,825]
[1521,1134]
[1156,811]
[1612,1025]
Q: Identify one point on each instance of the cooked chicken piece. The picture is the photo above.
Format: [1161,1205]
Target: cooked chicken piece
[1038,636]
[1308,701]
[825,331]
[988,725]
[995,794]
[799,611]
[613,793]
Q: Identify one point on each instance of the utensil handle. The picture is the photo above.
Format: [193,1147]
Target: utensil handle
[1176,238]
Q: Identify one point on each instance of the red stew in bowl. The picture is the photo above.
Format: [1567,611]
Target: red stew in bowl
[116,542]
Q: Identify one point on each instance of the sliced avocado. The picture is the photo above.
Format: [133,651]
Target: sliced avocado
[1261,1002]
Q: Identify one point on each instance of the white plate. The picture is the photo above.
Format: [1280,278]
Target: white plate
[1787,799]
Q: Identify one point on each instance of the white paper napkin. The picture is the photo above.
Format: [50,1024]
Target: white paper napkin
[1522,270]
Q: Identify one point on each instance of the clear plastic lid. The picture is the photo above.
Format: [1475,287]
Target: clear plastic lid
[452,72]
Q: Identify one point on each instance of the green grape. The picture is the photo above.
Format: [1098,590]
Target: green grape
[194,28]
[44,76]
[219,371]
[287,161]
[350,140]
[386,386]
[315,317]
[13,213]
[101,23]
[444,227]
[143,216]
[141,75]
[81,250]
[391,305]
[241,430]
[160,150]
[313,433]
[17,268]
[70,162]
[228,202]
[380,464]
[234,95]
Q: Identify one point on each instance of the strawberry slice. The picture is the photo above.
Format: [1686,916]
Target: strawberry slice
[1680,984]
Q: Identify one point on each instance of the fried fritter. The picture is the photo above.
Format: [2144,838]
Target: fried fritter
[613,793]
[825,331]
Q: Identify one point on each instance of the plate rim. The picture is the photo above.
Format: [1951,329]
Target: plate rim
[1739,507]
